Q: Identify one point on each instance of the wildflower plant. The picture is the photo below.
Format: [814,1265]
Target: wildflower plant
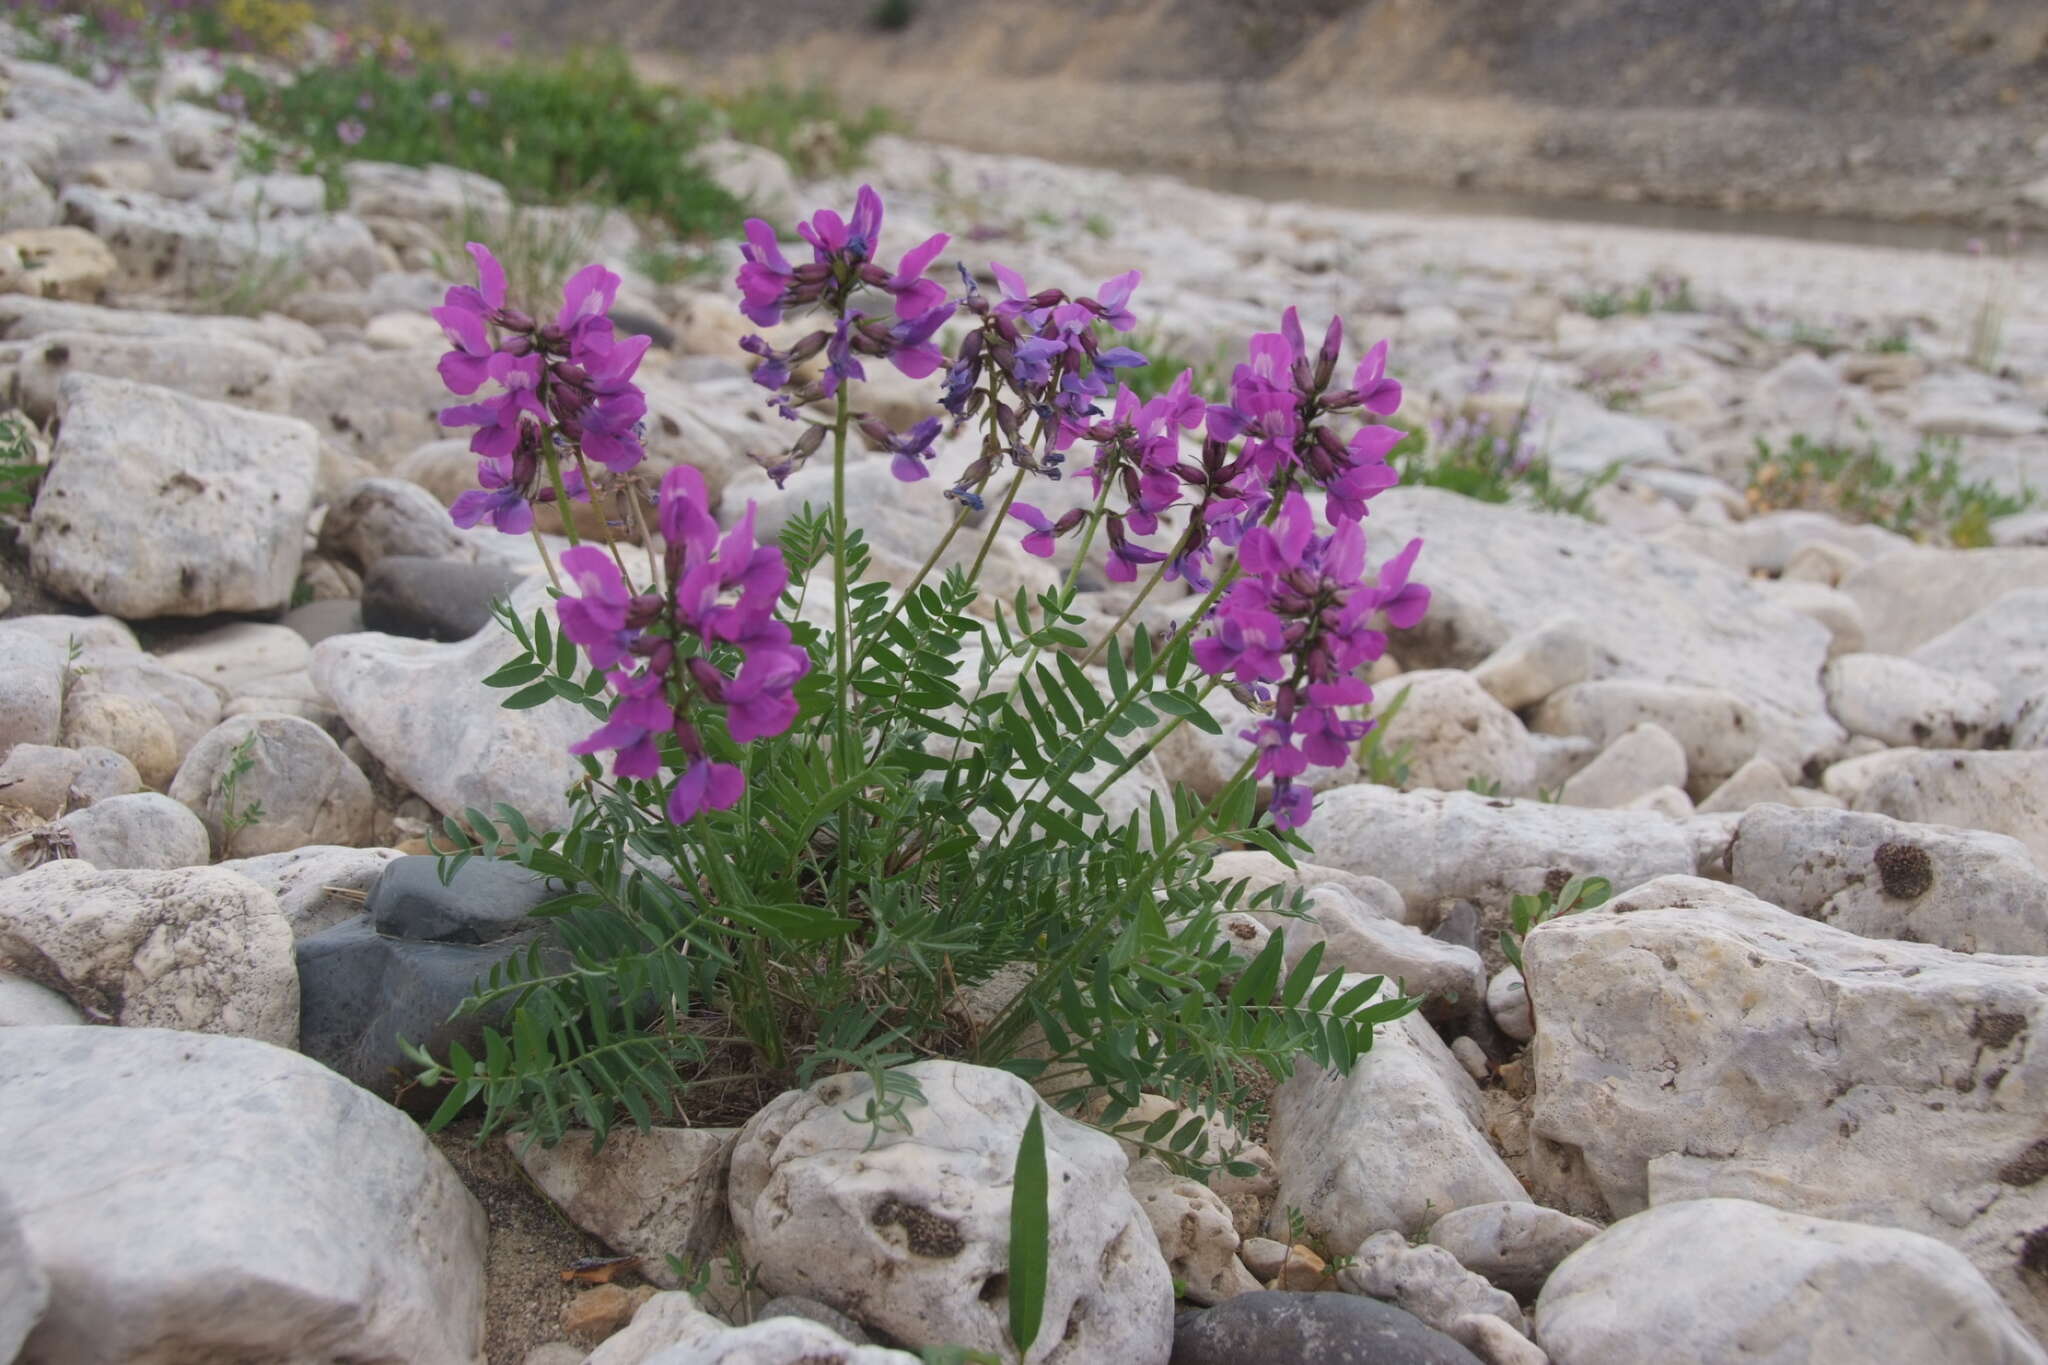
[801,846]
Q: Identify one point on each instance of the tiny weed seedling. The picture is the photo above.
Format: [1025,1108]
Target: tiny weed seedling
[1526,912]
[20,475]
[236,817]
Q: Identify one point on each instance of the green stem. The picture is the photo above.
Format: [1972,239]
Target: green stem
[554,465]
[545,557]
[604,523]
[845,751]
[995,526]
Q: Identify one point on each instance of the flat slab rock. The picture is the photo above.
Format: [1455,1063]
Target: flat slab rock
[200,1198]
[1654,613]
[1694,1042]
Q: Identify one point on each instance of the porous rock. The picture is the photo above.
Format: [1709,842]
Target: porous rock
[909,1231]
[195,949]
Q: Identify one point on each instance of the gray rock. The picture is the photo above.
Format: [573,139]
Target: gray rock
[24,1288]
[142,831]
[432,599]
[2005,792]
[188,705]
[1718,730]
[1653,613]
[2004,644]
[1698,1043]
[426,194]
[1507,1000]
[653,1195]
[361,992]
[1514,1245]
[38,777]
[1905,703]
[422,710]
[1272,1328]
[97,717]
[196,949]
[1636,762]
[1714,1280]
[161,505]
[1427,1281]
[1911,596]
[23,317]
[378,406]
[1965,890]
[485,900]
[313,885]
[300,787]
[315,621]
[1835,610]
[1354,1164]
[797,1306]
[374,518]
[24,1003]
[1435,845]
[31,692]
[380,1258]
[914,1226]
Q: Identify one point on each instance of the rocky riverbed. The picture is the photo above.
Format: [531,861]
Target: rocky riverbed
[1775,1098]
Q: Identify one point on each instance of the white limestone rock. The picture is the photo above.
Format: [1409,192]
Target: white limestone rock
[1714,1280]
[205,1198]
[195,949]
[909,1232]
[161,505]
[422,710]
[1904,703]
[1636,762]
[1698,1042]
[1514,1245]
[1961,889]
[1434,845]
[303,788]
[655,1194]
[2002,791]
[1355,1163]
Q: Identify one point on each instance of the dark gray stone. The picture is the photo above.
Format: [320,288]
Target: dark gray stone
[432,599]
[483,902]
[631,322]
[315,621]
[360,992]
[1274,1328]
[1460,925]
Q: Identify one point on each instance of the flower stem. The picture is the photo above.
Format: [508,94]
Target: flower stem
[545,557]
[554,465]
[995,526]
[1152,742]
[842,672]
[654,583]
[604,523]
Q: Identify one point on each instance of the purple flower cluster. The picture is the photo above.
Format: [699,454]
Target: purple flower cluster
[657,649]
[564,385]
[843,273]
[1301,618]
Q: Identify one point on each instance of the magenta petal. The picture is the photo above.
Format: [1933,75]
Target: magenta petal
[463,374]
[490,276]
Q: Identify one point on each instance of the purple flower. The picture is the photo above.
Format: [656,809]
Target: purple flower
[638,719]
[705,785]
[596,620]
[912,450]
[1039,542]
[1375,391]
[916,295]
[441,101]
[1111,298]
[350,131]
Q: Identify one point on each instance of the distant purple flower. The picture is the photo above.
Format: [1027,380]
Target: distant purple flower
[912,450]
[366,101]
[350,131]
[478,99]
[441,101]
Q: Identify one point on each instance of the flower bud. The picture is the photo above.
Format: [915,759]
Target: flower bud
[708,679]
[518,344]
[513,320]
